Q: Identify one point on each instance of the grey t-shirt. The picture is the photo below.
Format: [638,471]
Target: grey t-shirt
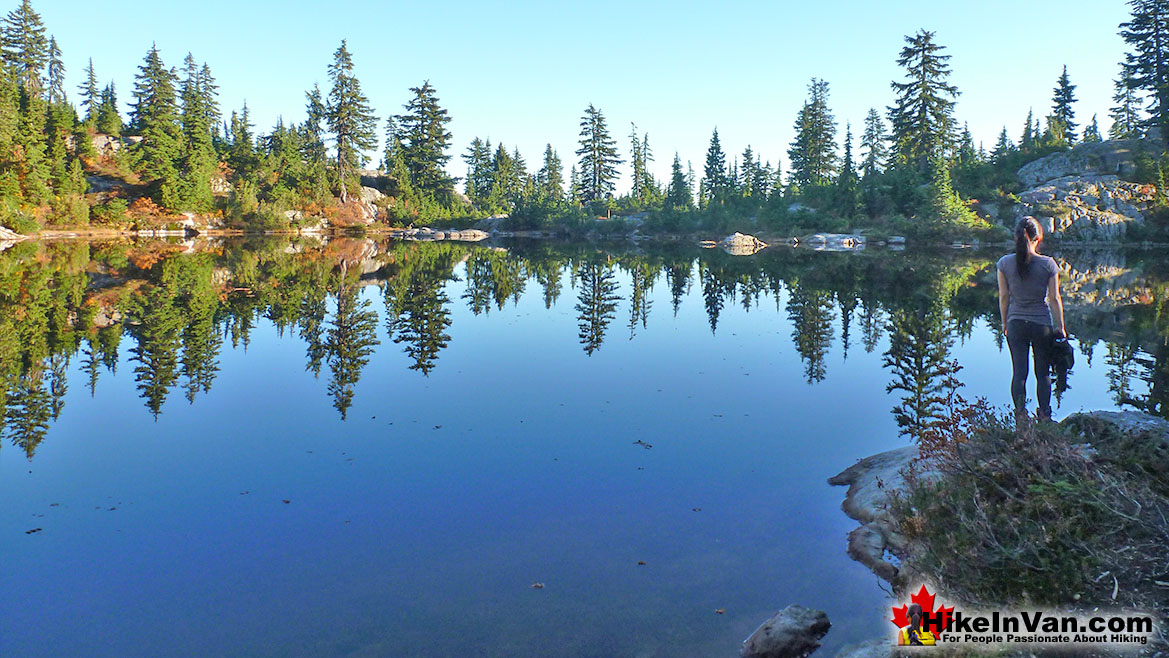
[1028,292]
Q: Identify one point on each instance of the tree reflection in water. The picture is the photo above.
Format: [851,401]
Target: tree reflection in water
[66,299]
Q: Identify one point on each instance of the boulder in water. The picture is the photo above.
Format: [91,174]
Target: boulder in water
[793,632]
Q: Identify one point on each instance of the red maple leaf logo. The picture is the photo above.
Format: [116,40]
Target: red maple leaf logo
[926,601]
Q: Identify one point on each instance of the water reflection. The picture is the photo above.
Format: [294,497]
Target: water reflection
[178,305]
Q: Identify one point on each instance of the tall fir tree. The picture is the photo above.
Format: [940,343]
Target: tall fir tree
[478,159]
[847,197]
[55,75]
[1064,95]
[598,157]
[922,116]
[25,48]
[1029,137]
[714,173]
[90,94]
[874,143]
[550,177]
[198,162]
[678,194]
[350,120]
[1002,148]
[108,119]
[155,117]
[812,153]
[1147,33]
[1126,113]
[426,141]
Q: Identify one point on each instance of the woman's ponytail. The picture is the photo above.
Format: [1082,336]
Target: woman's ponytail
[1025,231]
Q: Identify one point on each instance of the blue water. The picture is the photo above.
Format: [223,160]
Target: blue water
[256,522]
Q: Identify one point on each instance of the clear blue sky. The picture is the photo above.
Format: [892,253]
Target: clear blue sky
[521,72]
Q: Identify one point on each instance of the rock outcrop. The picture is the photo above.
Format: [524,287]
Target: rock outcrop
[1087,207]
[739,244]
[793,632]
[869,482]
[1111,158]
[1085,193]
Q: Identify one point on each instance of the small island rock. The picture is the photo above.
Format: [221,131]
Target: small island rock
[793,632]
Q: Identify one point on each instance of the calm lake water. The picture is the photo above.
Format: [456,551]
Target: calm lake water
[377,448]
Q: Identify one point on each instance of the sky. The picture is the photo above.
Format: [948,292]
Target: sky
[522,72]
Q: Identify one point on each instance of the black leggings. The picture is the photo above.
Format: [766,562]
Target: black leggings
[1021,336]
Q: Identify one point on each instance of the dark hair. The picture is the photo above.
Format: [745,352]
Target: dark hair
[1026,230]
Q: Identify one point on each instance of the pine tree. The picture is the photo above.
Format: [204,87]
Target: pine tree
[349,118]
[478,159]
[1092,132]
[678,195]
[25,48]
[90,95]
[1061,105]
[108,120]
[155,117]
[598,157]
[813,152]
[426,140]
[847,197]
[1002,148]
[714,172]
[313,128]
[922,117]
[32,165]
[550,177]
[241,154]
[1147,33]
[198,162]
[56,73]
[209,99]
[874,142]
[944,202]
[1027,141]
[1125,115]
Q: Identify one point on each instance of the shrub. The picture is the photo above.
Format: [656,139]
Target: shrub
[1032,515]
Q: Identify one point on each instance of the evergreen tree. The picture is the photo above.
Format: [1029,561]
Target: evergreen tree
[56,73]
[922,117]
[944,202]
[678,195]
[349,118]
[596,304]
[1061,105]
[241,154]
[874,143]
[550,177]
[1029,137]
[90,95]
[813,152]
[714,172]
[209,99]
[1126,114]
[1002,148]
[425,141]
[847,197]
[350,340]
[395,162]
[478,159]
[598,157]
[25,48]
[313,128]
[1092,132]
[155,117]
[1147,33]
[198,162]
[32,165]
[108,120]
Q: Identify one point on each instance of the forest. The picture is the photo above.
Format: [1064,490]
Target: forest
[911,166]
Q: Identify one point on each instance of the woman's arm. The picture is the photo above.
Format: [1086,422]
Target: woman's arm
[1005,300]
[1055,302]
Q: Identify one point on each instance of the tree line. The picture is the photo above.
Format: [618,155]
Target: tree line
[178,151]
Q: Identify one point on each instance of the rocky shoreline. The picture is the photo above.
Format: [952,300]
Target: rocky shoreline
[877,543]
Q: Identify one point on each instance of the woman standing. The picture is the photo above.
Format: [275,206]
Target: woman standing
[1029,302]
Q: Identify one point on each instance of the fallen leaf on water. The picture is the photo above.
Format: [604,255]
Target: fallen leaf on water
[640,563]
[54,504]
[720,611]
[537,585]
[287,502]
[33,531]
[695,509]
[244,493]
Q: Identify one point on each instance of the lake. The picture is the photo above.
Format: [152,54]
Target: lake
[366,447]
